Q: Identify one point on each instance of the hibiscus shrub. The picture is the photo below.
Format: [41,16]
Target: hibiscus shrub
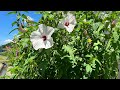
[66,45]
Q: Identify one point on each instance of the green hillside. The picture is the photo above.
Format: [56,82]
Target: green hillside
[2,47]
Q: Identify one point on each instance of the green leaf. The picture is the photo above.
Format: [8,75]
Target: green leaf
[22,56]
[24,16]
[96,48]
[93,63]
[95,26]
[90,21]
[89,55]
[98,43]
[109,43]
[51,17]
[101,27]
[98,61]
[77,58]
[24,41]
[13,12]
[69,49]
[88,68]
[45,15]
[18,16]
[29,60]
[12,30]
[38,12]
[14,23]
[84,77]
[116,36]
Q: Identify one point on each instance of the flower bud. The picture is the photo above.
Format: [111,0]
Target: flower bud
[17,53]
[85,32]
[89,40]
[113,23]
[21,29]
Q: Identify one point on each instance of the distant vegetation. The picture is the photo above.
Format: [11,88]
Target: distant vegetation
[2,47]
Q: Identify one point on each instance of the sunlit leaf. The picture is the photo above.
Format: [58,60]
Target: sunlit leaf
[88,68]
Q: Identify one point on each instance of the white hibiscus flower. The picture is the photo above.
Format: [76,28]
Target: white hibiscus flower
[69,22]
[42,37]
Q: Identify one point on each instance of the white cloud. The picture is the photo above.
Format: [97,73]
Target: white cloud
[7,41]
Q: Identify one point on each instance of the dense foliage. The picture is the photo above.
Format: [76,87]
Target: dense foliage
[90,51]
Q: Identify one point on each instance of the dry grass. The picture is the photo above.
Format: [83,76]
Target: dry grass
[2,57]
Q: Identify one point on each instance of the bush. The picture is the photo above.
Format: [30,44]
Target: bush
[90,51]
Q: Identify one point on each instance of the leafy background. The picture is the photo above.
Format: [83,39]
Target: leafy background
[91,51]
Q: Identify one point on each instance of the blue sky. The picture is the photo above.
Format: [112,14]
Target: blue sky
[6,25]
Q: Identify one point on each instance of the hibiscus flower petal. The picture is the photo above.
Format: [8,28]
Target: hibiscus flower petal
[50,31]
[38,44]
[72,19]
[49,43]
[35,35]
[70,28]
[69,15]
[42,29]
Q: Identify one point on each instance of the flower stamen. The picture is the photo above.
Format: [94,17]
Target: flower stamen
[44,38]
[67,24]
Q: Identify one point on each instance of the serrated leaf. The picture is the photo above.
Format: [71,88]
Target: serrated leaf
[101,26]
[24,41]
[95,26]
[51,17]
[69,49]
[29,60]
